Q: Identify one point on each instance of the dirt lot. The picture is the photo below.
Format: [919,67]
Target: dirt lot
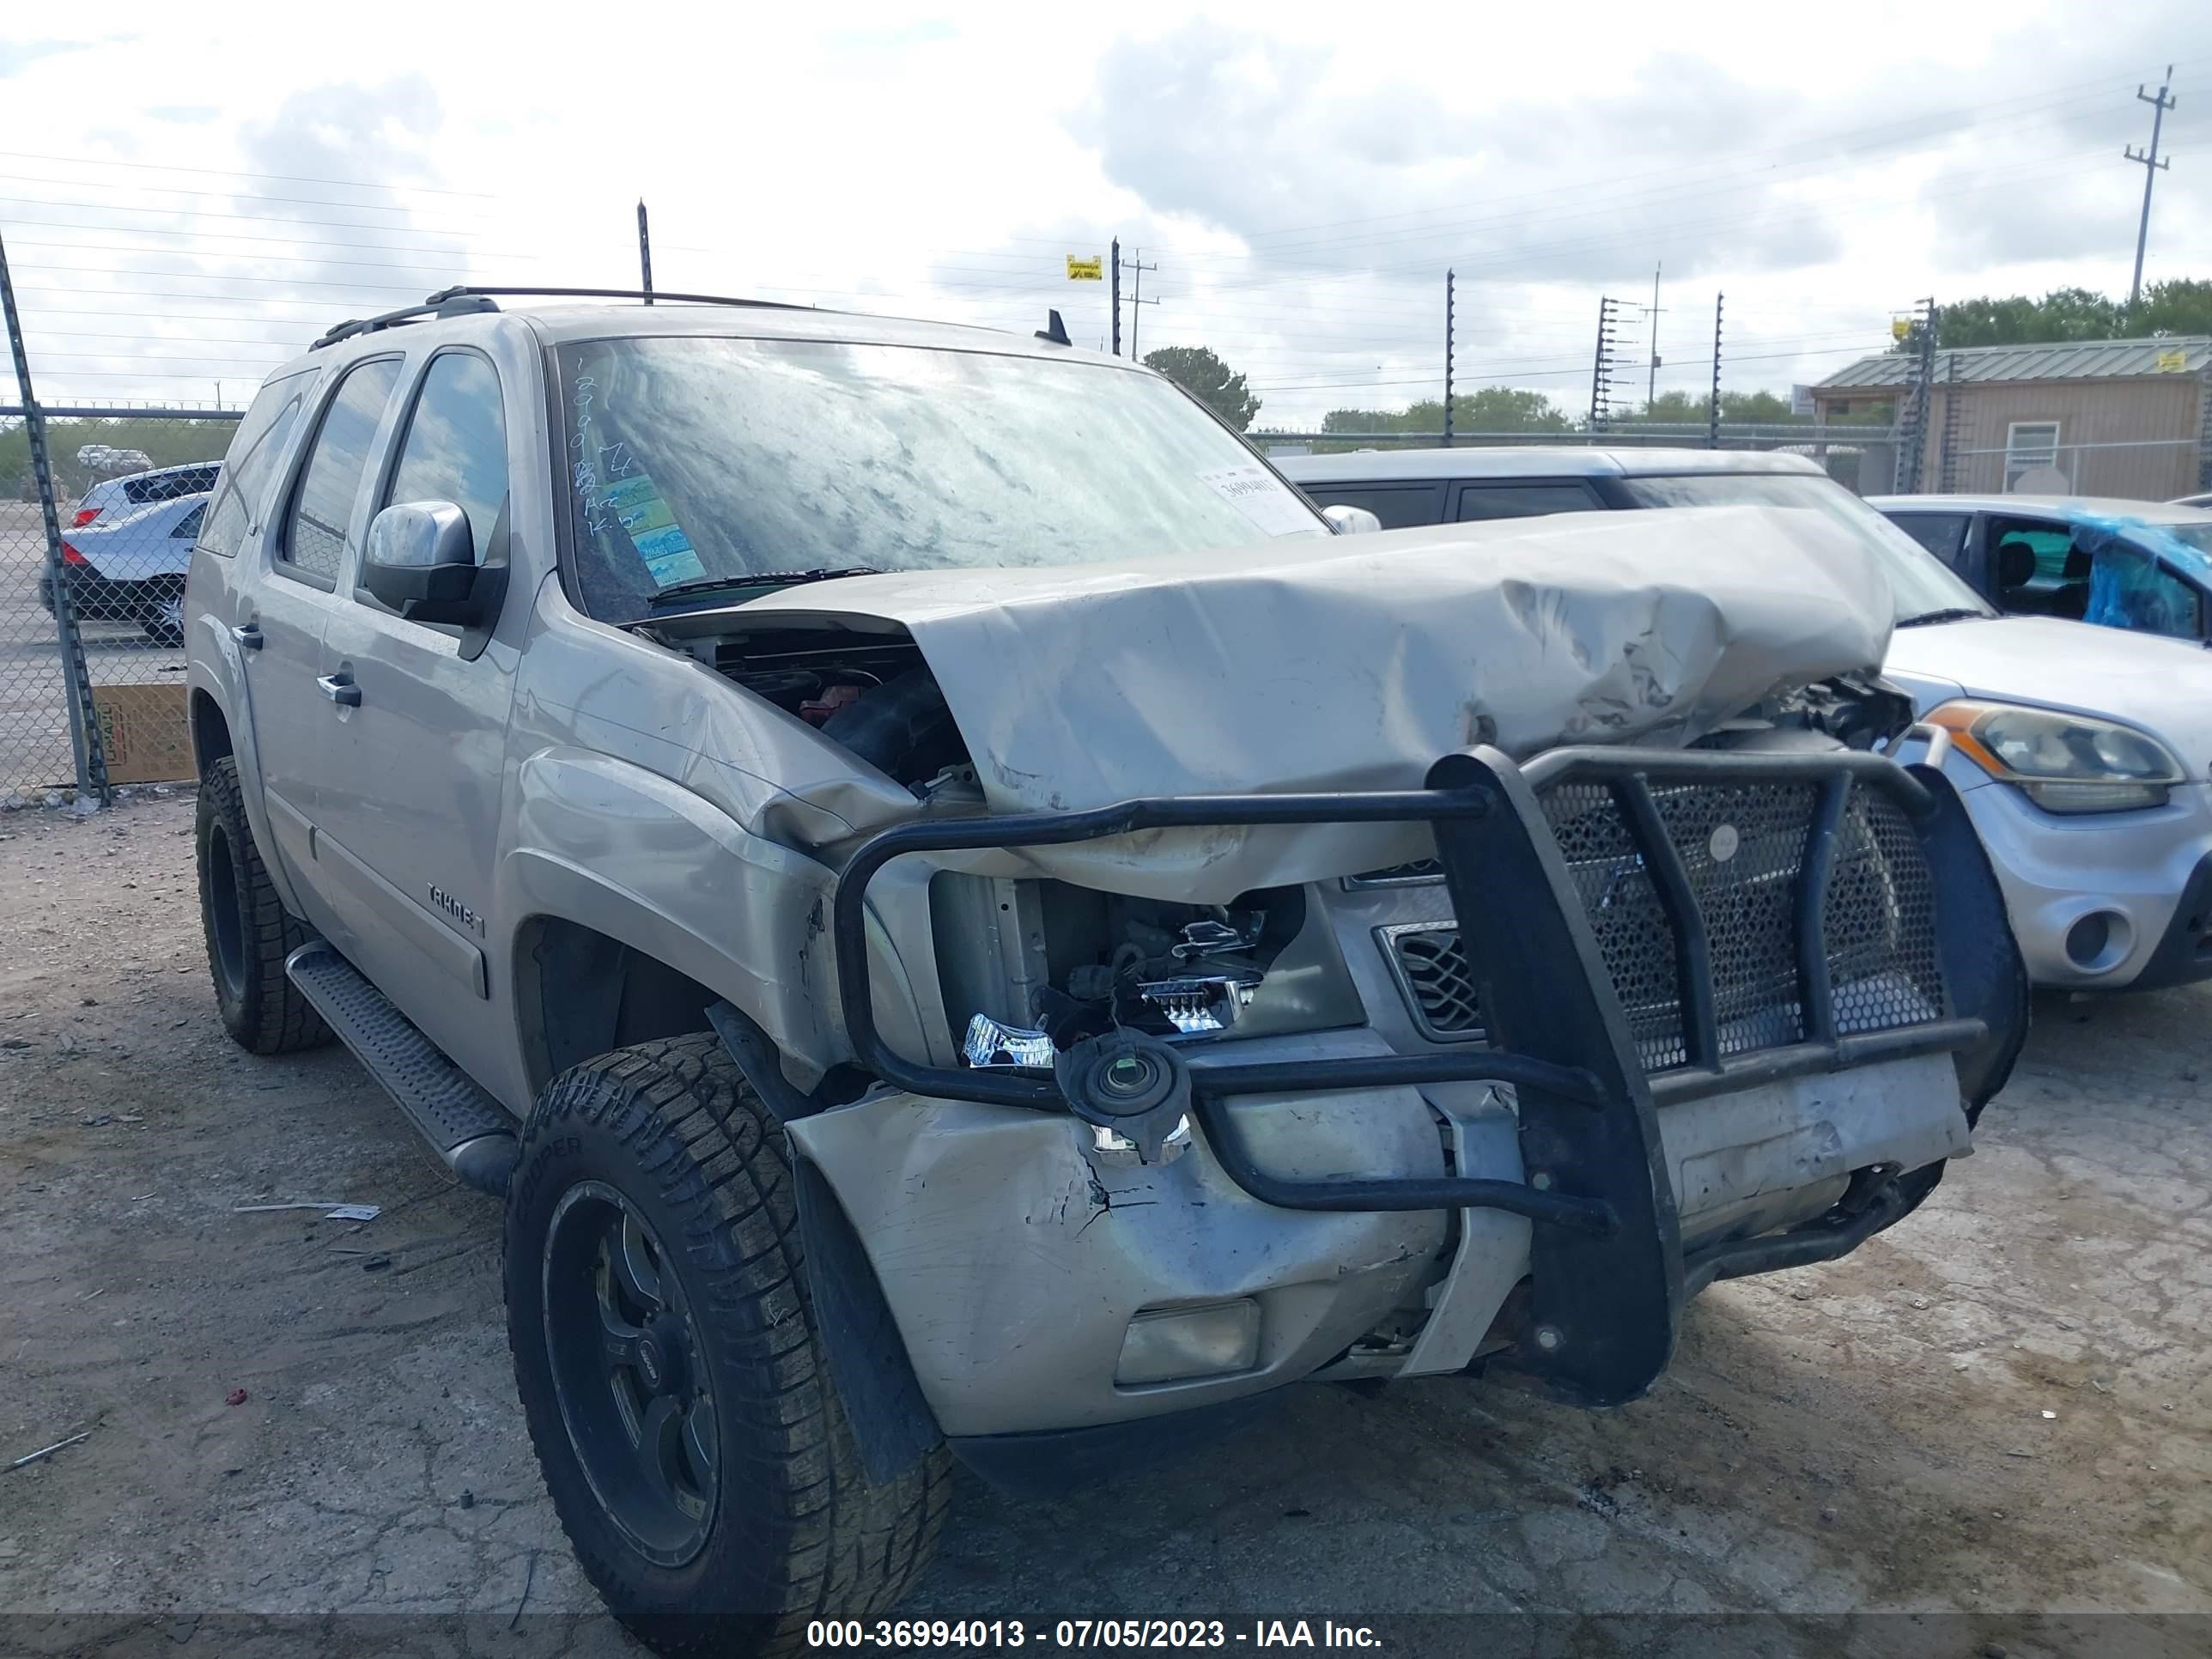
[1999,1410]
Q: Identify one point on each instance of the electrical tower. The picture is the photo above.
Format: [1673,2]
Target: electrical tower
[1919,397]
[2152,168]
[1601,367]
[1947,458]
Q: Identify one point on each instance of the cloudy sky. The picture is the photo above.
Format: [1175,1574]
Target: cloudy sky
[186,199]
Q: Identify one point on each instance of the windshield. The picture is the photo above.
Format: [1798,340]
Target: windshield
[1918,580]
[695,458]
[2197,537]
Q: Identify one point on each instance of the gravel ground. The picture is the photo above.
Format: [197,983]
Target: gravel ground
[1995,1414]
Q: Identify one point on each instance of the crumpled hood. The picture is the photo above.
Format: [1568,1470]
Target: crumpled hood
[2162,685]
[1354,663]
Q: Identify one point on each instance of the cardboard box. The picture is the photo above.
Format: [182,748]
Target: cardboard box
[142,729]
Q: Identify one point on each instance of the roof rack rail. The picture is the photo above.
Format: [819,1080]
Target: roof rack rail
[621,294]
[451,302]
[465,300]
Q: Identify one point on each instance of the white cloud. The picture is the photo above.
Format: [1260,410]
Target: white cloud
[1301,175]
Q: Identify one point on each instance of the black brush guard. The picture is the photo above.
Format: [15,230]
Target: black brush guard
[1606,1265]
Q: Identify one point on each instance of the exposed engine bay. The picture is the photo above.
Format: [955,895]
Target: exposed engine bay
[873,693]
[1029,968]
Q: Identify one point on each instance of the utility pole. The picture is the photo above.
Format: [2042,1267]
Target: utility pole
[1117,296]
[1651,390]
[1448,359]
[1136,293]
[1713,406]
[1600,403]
[644,252]
[2152,168]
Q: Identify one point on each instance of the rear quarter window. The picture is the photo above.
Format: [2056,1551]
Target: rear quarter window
[168,486]
[252,462]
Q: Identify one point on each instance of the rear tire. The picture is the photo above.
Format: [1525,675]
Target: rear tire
[249,932]
[671,1373]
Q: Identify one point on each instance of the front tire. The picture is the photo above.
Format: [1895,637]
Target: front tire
[675,1387]
[249,932]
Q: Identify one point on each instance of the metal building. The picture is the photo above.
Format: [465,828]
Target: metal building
[2129,418]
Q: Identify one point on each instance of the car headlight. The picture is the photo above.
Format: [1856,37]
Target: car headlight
[2063,762]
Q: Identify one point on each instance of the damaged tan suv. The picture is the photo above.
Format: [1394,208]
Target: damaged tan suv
[965,920]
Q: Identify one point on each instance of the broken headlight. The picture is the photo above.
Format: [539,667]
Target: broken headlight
[1029,968]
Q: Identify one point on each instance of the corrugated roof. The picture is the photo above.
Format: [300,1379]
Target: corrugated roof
[2075,360]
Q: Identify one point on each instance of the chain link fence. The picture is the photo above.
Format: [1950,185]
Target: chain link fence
[129,486]
[2144,470]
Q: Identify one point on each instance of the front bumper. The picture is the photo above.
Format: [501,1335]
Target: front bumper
[1013,1259]
[2138,878]
[1336,1180]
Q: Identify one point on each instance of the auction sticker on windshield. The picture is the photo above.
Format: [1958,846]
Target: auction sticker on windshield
[668,554]
[1261,496]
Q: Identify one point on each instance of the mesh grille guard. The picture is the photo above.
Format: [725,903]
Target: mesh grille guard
[1608,1277]
[1593,810]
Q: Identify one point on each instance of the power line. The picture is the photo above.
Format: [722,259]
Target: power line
[227,173]
[1983,112]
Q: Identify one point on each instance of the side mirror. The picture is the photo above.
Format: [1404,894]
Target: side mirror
[1351,520]
[421,562]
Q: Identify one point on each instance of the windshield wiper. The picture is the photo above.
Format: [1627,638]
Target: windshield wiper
[698,585]
[1955,613]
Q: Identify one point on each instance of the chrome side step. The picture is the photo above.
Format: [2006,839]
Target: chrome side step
[466,1126]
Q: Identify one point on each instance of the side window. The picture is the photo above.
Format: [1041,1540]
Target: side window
[189,526]
[2128,590]
[455,449]
[2039,570]
[1479,502]
[244,477]
[322,507]
[1942,534]
[1399,507]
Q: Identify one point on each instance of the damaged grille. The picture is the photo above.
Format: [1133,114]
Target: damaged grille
[1742,850]
[1432,970]
[1400,875]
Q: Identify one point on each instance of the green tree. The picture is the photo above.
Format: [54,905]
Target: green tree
[165,443]
[1207,378]
[2180,306]
[1743,407]
[1488,409]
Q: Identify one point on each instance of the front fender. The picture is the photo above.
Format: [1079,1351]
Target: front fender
[630,854]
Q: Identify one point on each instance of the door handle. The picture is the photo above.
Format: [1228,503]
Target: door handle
[340,690]
[248,635]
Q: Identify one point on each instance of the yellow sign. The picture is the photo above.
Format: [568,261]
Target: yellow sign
[1092,270]
[1899,327]
[2172,362]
